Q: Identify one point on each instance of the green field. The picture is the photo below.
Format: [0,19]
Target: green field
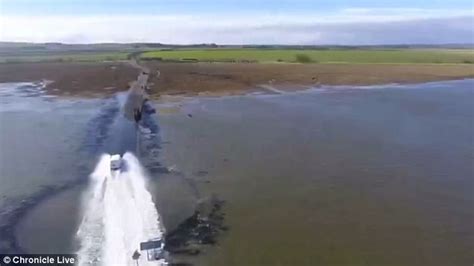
[427,56]
[317,56]
[66,57]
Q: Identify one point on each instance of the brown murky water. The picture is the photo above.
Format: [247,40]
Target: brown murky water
[337,177]
[347,177]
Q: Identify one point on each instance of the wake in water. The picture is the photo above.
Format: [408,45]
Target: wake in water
[119,214]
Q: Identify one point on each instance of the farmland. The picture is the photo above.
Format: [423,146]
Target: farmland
[191,70]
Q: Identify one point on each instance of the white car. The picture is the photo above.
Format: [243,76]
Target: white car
[155,250]
[115,162]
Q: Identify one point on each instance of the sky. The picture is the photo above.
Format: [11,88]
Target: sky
[300,22]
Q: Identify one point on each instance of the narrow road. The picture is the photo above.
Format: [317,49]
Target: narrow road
[137,93]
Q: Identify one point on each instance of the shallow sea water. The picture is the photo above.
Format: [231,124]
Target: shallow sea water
[378,175]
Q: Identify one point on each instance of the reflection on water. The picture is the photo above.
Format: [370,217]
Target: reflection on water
[337,176]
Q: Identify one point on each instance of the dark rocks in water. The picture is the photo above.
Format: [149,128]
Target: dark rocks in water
[179,238]
[202,228]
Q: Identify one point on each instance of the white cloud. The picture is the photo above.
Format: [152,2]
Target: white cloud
[347,26]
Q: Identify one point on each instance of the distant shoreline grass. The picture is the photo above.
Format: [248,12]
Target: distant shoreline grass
[255,55]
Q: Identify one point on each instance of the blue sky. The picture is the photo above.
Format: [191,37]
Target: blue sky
[238,22]
[77,7]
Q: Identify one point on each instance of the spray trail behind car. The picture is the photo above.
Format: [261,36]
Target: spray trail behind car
[120,214]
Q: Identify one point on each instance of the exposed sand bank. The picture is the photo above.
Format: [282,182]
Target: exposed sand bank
[216,78]
[222,78]
[73,78]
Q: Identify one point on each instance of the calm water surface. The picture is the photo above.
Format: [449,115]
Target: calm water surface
[334,176]
[344,176]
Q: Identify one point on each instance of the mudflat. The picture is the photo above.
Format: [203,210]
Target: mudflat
[191,78]
[73,78]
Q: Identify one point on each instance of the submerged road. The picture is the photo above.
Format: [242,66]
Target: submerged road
[137,95]
[127,213]
[109,131]
[114,129]
[123,135]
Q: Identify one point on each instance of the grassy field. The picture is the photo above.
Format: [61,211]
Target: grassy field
[317,56]
[66,57]
[427,56]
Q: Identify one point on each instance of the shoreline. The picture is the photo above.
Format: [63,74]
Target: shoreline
[220,79]
[240,78]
